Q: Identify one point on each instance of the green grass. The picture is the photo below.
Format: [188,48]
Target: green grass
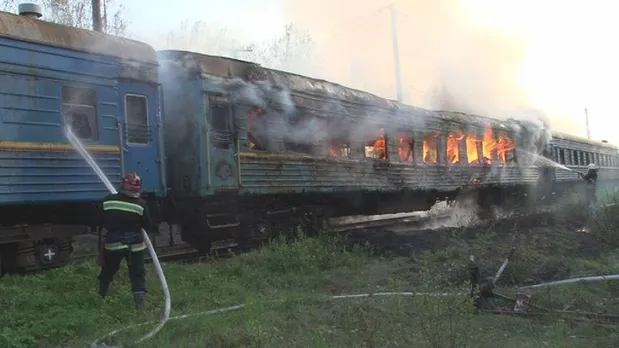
[60,308]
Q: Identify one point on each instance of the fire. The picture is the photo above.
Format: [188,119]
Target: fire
[504,145]
[405,148]
[430,149]
[471,149]
[488,146]
[453,150]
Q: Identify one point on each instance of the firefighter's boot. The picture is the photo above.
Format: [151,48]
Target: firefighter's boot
[103,288]
[138,298]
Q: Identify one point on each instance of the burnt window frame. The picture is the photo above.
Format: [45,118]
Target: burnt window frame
[437,136]
[127,125]
[213,102]
[93,123]
[365,145]
[410,133]
[292,147]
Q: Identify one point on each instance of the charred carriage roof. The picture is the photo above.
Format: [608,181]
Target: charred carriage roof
[37,31]
[198,63]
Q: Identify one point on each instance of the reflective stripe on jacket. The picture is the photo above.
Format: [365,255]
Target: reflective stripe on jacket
[121,246]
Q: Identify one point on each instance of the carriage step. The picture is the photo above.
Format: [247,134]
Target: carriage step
[224,244]
[220,221]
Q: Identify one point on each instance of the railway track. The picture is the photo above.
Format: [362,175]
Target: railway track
[183,252]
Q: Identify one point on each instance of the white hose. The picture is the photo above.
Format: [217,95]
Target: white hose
[573,280]
[151,250]
[241,306]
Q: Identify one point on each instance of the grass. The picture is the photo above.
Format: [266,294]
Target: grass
[60,308]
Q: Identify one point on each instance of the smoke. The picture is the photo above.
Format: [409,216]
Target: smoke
[447,61]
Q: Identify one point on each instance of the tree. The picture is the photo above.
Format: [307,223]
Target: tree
[292,51]
[78,13]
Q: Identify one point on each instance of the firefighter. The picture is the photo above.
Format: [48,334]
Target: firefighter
[125,214]
[590,184]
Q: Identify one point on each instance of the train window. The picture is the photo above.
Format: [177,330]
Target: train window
[79,112]
[471,149]
[219,118]
[339,148]
[430,148]
[300,135]
[377,147]
[136,112]
[453,148]
[505,148]
[488,146]
[405,146]
[256,129]
[562,156]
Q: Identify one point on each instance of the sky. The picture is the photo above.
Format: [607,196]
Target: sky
[490,57]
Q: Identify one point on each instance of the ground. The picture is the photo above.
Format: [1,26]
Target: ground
[60,308]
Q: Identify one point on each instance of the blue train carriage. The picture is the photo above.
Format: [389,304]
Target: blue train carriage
[106,89]
[576,153]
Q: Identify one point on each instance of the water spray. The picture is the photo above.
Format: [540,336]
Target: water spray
[151,250]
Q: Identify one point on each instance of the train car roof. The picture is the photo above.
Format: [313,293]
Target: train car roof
[23,28]
[574,138]
[225,67]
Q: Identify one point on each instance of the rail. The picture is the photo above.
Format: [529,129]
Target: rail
[183,252]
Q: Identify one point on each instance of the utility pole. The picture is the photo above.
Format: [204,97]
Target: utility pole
[96,15]
[587,123]
[396,54]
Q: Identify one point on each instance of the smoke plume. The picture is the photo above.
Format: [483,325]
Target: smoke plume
[447,62]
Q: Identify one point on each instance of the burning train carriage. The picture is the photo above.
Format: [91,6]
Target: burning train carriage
[249,146]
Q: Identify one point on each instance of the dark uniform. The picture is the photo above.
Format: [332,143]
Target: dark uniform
[590,185]
[125,214]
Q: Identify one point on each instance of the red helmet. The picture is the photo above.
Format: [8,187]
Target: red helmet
[132,183]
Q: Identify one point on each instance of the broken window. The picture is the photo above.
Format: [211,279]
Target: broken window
[430,148]
[339,148]
[488,146]
[300,134]
[256,130]
[79,111]
[505,148]
[405,146]
[453,148]
[377,147]
[471,149]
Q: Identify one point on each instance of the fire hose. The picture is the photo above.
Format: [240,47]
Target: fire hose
[165,317]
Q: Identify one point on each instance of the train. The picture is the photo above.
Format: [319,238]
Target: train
[234,152]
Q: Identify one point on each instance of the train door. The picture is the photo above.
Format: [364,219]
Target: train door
[222,144]
[139,104]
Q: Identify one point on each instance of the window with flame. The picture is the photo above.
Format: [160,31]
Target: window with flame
[339,148]
[256,130]
[471,149]
[377,147]
[430,148]
[405,146]
[453,147]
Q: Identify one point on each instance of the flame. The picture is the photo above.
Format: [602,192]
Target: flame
[504,145]
[453,149]
[333,152]
[488,146]
[471,149]
[430,149]
[405,148]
